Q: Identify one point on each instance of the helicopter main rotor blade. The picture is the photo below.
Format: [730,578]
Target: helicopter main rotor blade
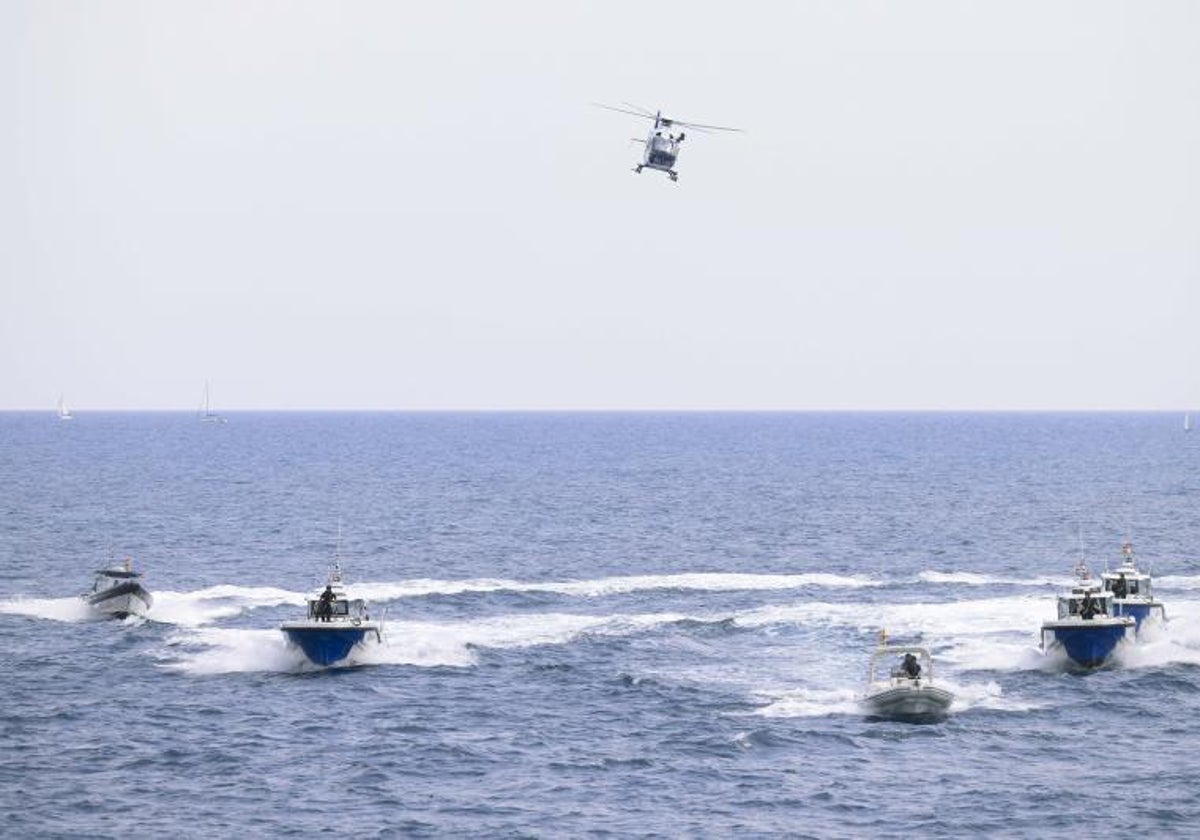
[624,111]
[645,112]
[703,127]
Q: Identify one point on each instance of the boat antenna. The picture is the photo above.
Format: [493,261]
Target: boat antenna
[1081,570]
[335,573]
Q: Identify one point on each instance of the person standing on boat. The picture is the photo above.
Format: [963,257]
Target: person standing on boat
[1119,588]
[325,604]
[1087,608]
[911,667]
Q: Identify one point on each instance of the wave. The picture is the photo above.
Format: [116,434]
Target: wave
[71,609]
[976,579]
[813,702]
[189,609]
[688,581]
[214,603]
[984,634]
[1178,582]
[989,695]
[809,702]
[215,650]
[205,606]
[422,644]
[941,619]
[995,634]
[1160,645]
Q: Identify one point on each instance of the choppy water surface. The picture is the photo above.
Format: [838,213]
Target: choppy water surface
[595,623]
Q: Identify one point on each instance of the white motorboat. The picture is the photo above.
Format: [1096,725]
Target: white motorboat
[335,623]
[118,592]
[900,685]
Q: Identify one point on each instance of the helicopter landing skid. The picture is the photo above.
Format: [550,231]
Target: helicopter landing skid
[674,176]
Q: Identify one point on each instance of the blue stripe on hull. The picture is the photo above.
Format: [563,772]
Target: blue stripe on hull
[325,647]
[1089,646]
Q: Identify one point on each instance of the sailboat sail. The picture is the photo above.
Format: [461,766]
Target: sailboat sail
[208,415]
[63,412]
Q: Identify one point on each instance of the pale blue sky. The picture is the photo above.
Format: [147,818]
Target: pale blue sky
[413,205]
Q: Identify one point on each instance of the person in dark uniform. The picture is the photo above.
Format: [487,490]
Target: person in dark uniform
[325,604]
[1087,607]
[911,667]
[1120,588]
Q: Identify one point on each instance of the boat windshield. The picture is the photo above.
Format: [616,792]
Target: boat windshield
[1127,586]
[1073,607]
[899,662]
[338,607]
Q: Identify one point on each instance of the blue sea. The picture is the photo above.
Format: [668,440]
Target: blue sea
[596,624]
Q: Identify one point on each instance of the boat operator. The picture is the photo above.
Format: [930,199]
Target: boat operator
[1119,588]
[1087,608]
[325,604]
[911,667]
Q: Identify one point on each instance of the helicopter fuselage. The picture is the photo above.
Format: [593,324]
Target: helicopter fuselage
[662,149]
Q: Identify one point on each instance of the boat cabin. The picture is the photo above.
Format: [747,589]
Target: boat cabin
[1128,585]
[108,578]
[1128,581]
[1075,606]
[340,609]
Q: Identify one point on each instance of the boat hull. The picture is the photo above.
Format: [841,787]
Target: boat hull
[122,600]
[908,702]
[327,643]
[1139,611]
[1086,643]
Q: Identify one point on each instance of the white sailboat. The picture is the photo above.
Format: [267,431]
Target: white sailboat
[208,415]
[1187,422]
[64,413]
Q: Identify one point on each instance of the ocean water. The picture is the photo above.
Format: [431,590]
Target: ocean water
[610,624]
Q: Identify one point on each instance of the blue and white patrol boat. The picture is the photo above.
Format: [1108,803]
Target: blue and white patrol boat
[1086,629]
[118,592]
[335,623]
[1132,592]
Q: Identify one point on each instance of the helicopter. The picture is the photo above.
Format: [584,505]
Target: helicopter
[662,143]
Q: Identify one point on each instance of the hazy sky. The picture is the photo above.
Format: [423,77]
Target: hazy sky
[406,205]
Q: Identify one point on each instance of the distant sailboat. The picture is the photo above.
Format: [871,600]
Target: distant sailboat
[208,415]
[1187,422]
[63,412]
